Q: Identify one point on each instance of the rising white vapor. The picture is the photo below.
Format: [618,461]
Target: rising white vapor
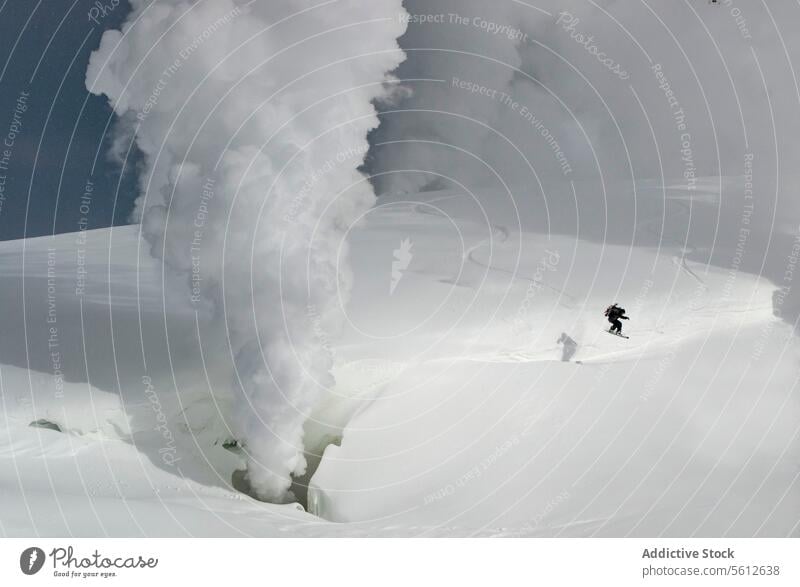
[252,117]
[609,95]
[585,70]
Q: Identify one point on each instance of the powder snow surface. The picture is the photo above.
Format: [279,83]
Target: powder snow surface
[476,394]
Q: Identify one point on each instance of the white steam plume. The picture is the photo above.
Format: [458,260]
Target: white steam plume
[565,61]
[575,65]
[252,117]
[625,91]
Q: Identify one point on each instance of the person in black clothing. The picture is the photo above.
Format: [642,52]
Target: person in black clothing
[614,314]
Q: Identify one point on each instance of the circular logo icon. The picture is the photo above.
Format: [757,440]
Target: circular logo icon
[31,560]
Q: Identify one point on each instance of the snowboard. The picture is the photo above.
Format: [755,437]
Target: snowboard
[615,334]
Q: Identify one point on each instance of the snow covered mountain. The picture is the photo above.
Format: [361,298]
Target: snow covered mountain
[476,390]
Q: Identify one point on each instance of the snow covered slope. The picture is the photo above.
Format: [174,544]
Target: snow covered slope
[476,390]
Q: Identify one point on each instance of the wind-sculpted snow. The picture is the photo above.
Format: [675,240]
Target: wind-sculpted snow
[252,118]
[507,410]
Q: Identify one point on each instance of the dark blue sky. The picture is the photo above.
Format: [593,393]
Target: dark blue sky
[53,133]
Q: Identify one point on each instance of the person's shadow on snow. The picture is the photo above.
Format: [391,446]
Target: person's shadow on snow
[569,348]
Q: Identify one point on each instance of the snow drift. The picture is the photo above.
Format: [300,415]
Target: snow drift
[456,411]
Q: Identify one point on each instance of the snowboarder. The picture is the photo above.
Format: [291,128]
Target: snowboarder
[614,314]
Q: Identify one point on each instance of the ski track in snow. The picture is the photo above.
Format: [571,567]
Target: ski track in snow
[500,234]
